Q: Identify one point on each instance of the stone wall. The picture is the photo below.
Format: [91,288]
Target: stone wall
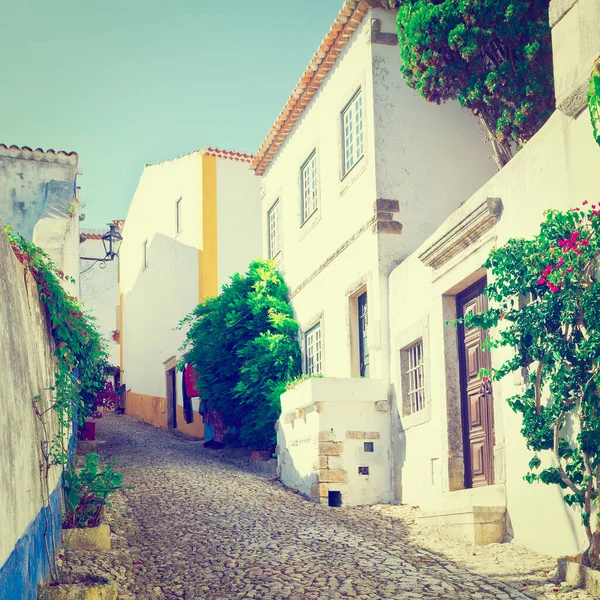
[333,441]
[26,371]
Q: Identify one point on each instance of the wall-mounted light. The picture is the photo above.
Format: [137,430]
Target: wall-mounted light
[111,241]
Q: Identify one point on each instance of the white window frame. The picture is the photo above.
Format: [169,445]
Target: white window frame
[313,350]
[353,129]
[145,254]
[274,229]
[309,187]
[178,213]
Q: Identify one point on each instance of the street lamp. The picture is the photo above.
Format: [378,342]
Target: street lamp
[111,241]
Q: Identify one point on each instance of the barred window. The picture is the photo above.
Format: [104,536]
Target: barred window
[352,132]
[312,344]
[274,228]
[413,376]
[310,193]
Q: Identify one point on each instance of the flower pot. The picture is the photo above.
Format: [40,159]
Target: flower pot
[87,589]
[88,431]
[260,455]
[87,538]
[575,574]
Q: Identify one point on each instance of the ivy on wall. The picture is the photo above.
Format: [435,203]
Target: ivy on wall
[594,100]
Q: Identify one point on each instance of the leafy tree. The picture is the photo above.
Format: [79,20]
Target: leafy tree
[493,56]
[545,301]
[594,100]
[243,344]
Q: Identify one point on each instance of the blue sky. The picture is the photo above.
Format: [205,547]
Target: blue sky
[130,82]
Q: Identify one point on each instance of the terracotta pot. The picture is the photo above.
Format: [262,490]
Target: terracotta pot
[260,455]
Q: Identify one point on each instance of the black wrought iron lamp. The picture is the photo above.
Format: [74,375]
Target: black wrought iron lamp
[111,241]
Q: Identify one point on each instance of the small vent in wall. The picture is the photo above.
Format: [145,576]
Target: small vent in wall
[369,446]
[363,470]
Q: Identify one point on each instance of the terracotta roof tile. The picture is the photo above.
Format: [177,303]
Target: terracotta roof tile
[50,155]
[349,18]
[217,152]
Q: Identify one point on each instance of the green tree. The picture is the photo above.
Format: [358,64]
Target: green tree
[493,56]
[244,344]
[545,304]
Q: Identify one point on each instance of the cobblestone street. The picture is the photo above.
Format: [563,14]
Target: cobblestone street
[200,525]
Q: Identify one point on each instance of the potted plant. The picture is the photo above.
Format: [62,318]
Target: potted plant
[116,335]
[86,493]
[106,399]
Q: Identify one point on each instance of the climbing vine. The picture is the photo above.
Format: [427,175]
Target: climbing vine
[81,356]
[594,100]
[545,304]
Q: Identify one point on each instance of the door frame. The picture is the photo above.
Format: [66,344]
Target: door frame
[468,293]
[171,393]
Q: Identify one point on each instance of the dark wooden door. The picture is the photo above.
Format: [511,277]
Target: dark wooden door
[477,402]
[171,399]
[363,342]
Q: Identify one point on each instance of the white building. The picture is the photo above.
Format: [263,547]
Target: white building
[456,449]
[99,287]
[357,171]
[39,200]
[194,221]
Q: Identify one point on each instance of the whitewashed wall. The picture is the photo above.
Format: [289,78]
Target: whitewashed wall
[155,299]
[99,291]
[414,153]
[555,170]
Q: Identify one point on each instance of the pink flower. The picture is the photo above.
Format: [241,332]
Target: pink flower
[61,556]
[561,260]
[584,202]
[584,242]
[541,281]
[570,269]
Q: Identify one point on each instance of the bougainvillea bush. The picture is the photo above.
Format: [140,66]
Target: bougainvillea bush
[493,56]
[81,356]
[545,304]
[243,344]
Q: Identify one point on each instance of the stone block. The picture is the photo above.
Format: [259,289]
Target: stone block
[363,435]
[320,407]
[383,205]
[332,476]
[103,589]
[382,406]
[326,436]
[323,462]
[387,227]
[331,448]
[319,490]
[89,538]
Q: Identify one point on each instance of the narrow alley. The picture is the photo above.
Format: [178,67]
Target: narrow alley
[197,525]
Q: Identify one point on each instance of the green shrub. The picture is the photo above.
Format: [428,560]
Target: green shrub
[87,492]
[493,56]
[243,344]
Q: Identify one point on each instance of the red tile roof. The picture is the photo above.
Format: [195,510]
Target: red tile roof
[350,17]
[50,155]
[229,154]
[96,234]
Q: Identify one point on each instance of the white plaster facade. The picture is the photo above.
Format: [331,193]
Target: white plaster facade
[219,234]
[38,198]
[99,288]
[556,169]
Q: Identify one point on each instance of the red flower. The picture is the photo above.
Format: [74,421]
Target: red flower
[61,556]
[541,281]
[561,260]
[570,269]
[584,242]
[584,202]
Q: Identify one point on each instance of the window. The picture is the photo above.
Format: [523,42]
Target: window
[312,343]
[310,193]
[178,223]
[352,132]
[412,372]
[274,227]
[145,254]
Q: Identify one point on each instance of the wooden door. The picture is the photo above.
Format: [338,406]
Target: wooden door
[363,342]
[171,399]
[477,402]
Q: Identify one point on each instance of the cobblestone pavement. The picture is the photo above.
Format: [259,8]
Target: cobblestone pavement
[199,525]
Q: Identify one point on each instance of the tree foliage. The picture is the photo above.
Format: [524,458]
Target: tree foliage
[594,100]
[243,345]
[493,56]
[545,304]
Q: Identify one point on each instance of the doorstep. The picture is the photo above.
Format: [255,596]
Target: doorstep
[478,525]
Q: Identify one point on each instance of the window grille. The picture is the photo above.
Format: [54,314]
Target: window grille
[274,230]
[314,360]
[352,132]
[415,384]
[310,192]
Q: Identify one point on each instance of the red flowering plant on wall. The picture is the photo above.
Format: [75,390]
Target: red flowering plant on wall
[107,398]
[545,305]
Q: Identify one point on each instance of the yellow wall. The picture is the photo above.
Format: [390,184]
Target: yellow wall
[152,409]
[208,276]
[195,429]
